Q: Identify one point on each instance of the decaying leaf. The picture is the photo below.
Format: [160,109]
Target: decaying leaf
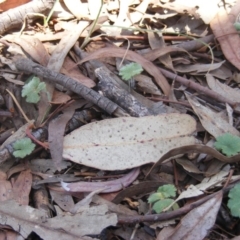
[197,223]
[123,143]
[223,89]
[226,34]
[210,120]
[73,226]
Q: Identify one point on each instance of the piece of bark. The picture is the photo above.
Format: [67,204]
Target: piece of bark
[94,97]
[15,17]
[118,95]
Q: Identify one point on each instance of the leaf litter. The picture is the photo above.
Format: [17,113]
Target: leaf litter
[101,148]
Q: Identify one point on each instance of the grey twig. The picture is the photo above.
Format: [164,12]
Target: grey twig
[26,65]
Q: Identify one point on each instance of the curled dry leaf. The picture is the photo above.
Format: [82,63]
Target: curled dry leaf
[227,35]
[124,143]
[105,187]
[210,120]
[223,89]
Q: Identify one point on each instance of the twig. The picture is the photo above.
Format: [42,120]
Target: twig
[104,103]
[198,87]
[165,216]
[113,91]
[14,17]
[19,107]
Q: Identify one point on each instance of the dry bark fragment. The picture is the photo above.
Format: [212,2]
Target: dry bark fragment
[118,95]
[15,17]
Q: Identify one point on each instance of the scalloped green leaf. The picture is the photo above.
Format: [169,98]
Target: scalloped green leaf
[234,203]
[155,197]
[130,70]
[167,190]
[32,89]
[228,144]
[160,205]
[23,147]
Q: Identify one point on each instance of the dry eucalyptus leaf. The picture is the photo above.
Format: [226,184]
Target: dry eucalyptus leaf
[197,223]
[25,219]
[211,120]
[123,143]
[224,90]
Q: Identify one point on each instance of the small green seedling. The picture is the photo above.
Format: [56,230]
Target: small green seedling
[32,89]
[130,70]
[23,147]
[237,26]
[228,144]
[233,202]
[163,198]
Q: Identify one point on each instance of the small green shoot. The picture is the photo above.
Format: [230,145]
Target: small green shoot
[163,198]
[130,70]
[23,147]
[228,144]
[237,26]
[233,202]
[32,89]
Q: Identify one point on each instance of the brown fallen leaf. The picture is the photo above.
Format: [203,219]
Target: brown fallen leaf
[211,121]
[56,131]
[196,224]
[227,35]
[74,227]
[156,41]
[223,89]
[75,73]
[22,187]
[34,47]
[6,192]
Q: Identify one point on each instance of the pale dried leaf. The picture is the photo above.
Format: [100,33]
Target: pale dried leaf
[146,84]
[74,227]
[123,143]
[210,120]
[198,68]
[84,223]
[224,90]
[198,8]
[63,200]
[192,191]
[77,8]
[197,223]
[212,181]
[227,35]
[45,165]
[93,7]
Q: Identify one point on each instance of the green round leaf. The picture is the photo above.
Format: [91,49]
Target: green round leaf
[23,147]
[160,205]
